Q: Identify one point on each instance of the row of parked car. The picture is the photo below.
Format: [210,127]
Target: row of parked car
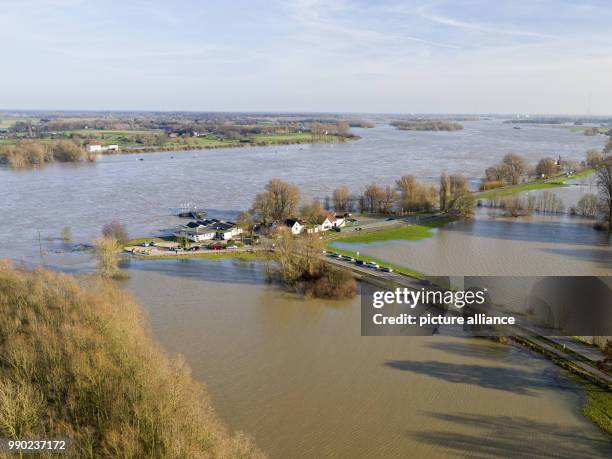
[367,264]
[193,248]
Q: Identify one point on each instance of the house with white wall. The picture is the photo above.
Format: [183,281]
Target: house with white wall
[295,226]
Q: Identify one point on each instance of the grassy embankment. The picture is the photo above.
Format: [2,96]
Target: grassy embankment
[401,233]
[76,362]
[557,182]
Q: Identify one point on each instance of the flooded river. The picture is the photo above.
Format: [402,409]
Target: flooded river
[298,376]
[295,373]
[143,194]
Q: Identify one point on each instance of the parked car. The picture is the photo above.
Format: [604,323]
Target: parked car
[359,262]
[371,264]
[216,247]
[232,247]
[335,255]
[351,259]
[386,269]
[194,248]
[323,251]
[145,244]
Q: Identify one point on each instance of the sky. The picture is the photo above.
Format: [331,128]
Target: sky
[519,56]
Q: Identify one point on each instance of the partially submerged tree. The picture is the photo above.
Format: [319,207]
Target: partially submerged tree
[106,250]
[341,199]
[115,230]
[66,234]
[587,205]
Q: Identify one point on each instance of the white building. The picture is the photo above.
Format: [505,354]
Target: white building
[326,225]
[209,229]
[295,226]
[94,147]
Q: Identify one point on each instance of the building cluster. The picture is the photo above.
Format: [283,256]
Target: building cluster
[207,230]
[327,223]
[213,229]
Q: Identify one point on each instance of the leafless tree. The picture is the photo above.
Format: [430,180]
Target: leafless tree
[547,167]
[604,186]
[115,230]
[340,198]
[514,166]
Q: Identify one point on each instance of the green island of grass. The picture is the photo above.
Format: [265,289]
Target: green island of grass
[558,182]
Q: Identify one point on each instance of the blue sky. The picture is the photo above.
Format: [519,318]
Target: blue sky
[535,56]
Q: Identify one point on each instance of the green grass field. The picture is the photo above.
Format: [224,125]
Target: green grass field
[535,185]
[402,233]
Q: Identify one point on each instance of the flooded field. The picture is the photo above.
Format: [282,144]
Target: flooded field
[298,376]
[538,245]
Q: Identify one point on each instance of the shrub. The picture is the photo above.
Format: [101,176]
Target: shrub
[76,362]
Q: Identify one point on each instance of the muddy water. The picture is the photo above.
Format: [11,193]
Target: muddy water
[298,376]
[494,246]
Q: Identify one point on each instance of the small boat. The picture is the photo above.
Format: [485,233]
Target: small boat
[516,127]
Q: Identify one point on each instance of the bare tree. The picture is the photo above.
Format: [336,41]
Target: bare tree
[514,166]
[587,205]
[262,208]
[594,158]
[278,202]
[445,194]
[313,212]
[106,249]
[546,167]
[604,186]
[373,196]
[340,198]
[461,202]
[115,230]
[388,199]
[608,148]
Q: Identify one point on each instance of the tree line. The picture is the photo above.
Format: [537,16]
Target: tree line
[28,153]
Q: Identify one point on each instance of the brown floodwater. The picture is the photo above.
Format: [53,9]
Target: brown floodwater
[538,245]
[297,375]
